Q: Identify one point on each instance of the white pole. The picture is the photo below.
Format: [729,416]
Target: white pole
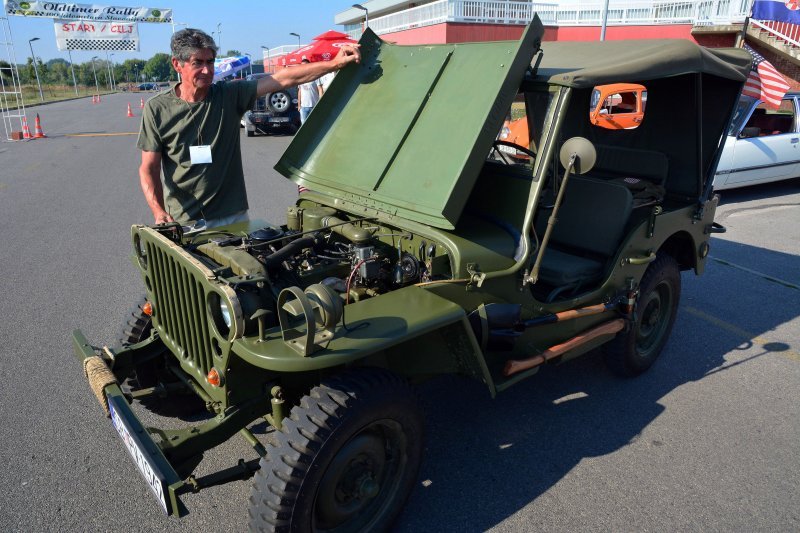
[72,68]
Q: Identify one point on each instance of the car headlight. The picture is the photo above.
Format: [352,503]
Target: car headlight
[504,133]
[226,313]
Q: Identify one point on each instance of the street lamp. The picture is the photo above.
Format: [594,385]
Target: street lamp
[268,63]
[184,24]
[298,39]
[366,14]
[108,73]
[250,62]
[219,35]
[36,70]
[94,70]
[113,77]
[72,68]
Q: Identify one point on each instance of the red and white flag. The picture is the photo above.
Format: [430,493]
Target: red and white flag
[764,82]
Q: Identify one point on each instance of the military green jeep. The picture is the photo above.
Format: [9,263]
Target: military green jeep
[420,249]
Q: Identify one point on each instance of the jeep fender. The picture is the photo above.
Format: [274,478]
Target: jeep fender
[426,331]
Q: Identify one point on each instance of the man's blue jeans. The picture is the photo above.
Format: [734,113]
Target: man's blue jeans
[304,112]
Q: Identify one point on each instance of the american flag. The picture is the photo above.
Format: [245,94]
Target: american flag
[764,82]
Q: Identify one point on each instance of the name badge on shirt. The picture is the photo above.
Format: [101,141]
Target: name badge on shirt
[200,154]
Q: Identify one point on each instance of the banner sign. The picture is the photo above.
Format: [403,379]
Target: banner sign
[97,35]
[61,10]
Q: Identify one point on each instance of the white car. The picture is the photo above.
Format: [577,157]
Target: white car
[762,145]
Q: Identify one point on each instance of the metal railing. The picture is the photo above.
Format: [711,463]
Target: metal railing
[704,12]
[783,31]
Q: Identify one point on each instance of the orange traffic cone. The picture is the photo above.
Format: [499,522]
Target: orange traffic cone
[38,133]
[94,98]
[26,133]
[130,113]
[141,103]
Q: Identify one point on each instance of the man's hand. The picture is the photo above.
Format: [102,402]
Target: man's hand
[163,218]
[348,53]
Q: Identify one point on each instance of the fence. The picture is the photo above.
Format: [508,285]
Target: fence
[644,12]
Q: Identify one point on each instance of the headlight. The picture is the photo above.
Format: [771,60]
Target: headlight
[226,313]
[504,133]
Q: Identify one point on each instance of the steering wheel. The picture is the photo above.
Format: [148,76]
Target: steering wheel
[498,143]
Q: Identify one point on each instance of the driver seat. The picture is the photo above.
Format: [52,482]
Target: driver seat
[587,234]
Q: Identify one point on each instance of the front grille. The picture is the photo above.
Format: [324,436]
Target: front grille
[180,309]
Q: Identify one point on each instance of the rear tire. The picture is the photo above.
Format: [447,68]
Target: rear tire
[154,371]
[635,350]
[346,458]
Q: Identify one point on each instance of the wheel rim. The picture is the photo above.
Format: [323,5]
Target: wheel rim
[654,321]
[279,101]
[362,479]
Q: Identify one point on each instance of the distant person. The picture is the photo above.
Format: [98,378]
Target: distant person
[191,131]
[308,95]
[326,81]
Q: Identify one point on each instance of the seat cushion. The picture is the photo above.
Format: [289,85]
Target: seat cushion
[559,268]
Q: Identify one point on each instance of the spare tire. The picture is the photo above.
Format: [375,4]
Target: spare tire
[279,102]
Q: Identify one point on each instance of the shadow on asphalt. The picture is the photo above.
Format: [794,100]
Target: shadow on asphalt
[487,459]
[760,192]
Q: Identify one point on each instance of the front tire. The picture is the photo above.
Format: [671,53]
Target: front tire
[346,458]
[635,350]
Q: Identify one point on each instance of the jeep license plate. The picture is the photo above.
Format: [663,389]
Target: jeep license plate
[279,119]
[154,479]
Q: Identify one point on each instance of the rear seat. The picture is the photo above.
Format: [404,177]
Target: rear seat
[643,172]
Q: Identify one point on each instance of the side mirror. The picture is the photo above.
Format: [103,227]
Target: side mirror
[583,152]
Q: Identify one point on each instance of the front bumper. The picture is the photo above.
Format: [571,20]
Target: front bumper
[156,470]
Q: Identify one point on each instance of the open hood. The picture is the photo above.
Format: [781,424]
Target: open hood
[407,130]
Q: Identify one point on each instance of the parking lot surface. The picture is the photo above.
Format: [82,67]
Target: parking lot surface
[708,440]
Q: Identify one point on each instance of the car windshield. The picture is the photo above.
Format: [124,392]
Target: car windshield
[740,115]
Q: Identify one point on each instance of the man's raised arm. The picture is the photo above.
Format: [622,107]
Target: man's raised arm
[304,73]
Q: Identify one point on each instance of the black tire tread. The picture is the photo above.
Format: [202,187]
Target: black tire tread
[617,353]
[304,432]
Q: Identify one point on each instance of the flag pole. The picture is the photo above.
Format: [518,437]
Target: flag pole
[742,36]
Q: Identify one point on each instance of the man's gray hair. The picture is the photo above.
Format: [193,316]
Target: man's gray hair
[186,42]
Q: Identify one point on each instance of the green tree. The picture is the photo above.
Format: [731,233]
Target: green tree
[132,70]
[158,68]
[230,53]
[58,71]
[5,72]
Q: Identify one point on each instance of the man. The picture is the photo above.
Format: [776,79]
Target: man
[192,131]
[308,95]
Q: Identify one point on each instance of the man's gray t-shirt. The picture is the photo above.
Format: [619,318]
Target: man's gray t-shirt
[171,125]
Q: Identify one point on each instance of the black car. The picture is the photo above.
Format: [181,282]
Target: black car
[274,112]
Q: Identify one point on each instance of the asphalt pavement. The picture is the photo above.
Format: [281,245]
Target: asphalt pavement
[707,440]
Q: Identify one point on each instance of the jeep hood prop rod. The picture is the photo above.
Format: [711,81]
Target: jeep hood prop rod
[606,328]
[551,222]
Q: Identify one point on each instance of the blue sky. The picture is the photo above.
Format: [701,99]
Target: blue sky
[246,25]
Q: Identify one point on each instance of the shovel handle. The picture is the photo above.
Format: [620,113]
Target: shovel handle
[606,328]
